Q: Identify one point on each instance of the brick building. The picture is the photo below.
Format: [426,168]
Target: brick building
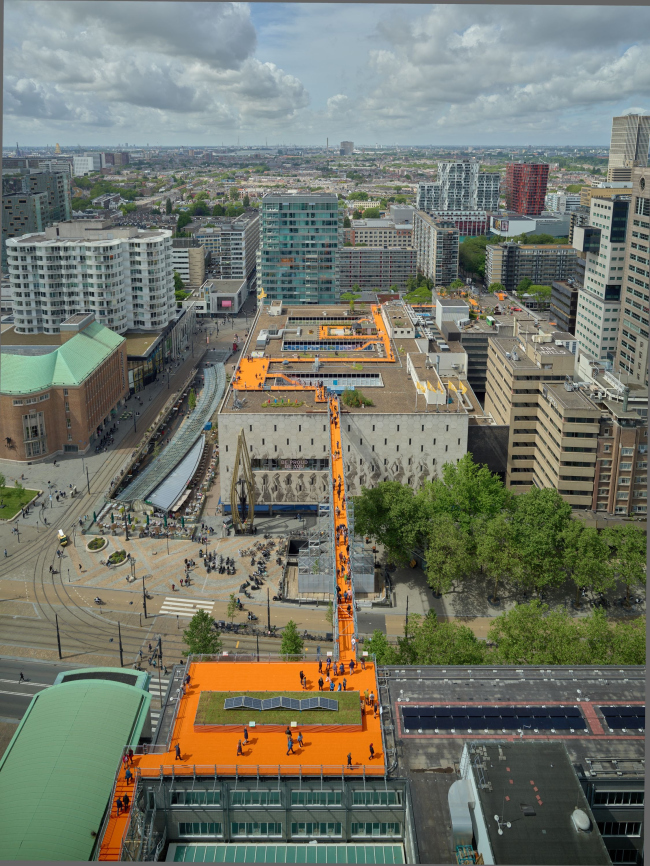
[58,398]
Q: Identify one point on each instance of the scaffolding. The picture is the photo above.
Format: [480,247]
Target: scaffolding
[316,562]
[362,560]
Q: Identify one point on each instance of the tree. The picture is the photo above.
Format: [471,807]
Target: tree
[346,222]
[628,546]
[389,513]
[371,213]
[457,284]
[233,193]
[539,519]
[496,552]
[442,643]
[200,636]
[246,201]
[232,608]
[471,492]
[218,210]
[497,288]
[586,558]
[379,647]
[292,643]
[523,286]
[448,556]
[351,296]
[357,215]
[358,196]
[129,207]
[183,220]
[168,206]
[179,285]
[191,399]
[529,634]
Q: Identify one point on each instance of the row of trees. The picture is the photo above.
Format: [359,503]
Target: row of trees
[201,637]
[468,522]
[529,634]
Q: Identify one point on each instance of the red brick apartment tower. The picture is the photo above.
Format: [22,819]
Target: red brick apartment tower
[526,187]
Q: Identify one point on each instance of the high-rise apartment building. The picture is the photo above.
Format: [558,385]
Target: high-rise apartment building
[122,275]
[599,299]
[429,197]
[233,244]
[347,148]
[45,197]
[629,146]
[300,236]
[436,243]
[463,187]
[632,356]
[525,187]
[564,304]
[508,263]
[379,233]
[559,203]
[488,187]
[188,260]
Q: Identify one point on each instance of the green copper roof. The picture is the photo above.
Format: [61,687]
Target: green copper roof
[57,773]
[69,365]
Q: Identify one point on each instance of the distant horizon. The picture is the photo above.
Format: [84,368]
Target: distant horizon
[332,148]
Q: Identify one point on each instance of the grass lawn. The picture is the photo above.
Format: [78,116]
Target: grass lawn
[13,499]
[211,712]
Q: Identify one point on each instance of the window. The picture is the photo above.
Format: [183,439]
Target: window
[253,828]
[254,798]
[376,828]
[316,798]
[196,798]
[316,828]
[619,828]
[376,798]
[619,798]
[623,855]
[199,828]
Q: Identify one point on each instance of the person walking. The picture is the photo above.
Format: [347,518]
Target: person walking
[178,752]
[245,735]
[6,554]
[351,666]
[365,695]
[345,684]
[125,801]
[300,739]
[372,752]
[290,745]
[320,684]
[128,775]
[240,751]
[331,686]
[372,699]
[341,669]
[349,759]
[119,806]
[302,676]
[130,756]
[320,663]
[363,663]
[339,687]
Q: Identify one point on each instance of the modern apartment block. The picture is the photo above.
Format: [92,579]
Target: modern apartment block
[347,148]
[599,299]
[233,244]
[468,223]
[629,146]
[460,186]
[379,233]
[632,354]
[559,203]
[122,275]
[300,237]
[525,187]
[188,259]
[436,243]
[508,263]
[45,198]
[376,269]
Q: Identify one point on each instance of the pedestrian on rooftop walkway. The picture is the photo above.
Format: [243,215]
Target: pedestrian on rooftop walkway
[118,804]
[290,745]
[128,775]
[126,801]
[320,684]
[349,759]
[178,752]
[240,751]
[245,735]
[372,752]
[300,739]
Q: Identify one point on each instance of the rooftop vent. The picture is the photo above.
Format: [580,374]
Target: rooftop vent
[581,820]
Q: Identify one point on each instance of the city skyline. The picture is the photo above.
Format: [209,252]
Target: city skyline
[212,74]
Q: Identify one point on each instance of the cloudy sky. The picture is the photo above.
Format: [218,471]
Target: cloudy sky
[93,72]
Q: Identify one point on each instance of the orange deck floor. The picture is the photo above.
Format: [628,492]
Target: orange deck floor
[266,750]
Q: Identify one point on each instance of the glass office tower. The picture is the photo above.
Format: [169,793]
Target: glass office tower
[300,238]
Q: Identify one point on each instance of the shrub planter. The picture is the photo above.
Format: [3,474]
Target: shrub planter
[96,544]
[118,557]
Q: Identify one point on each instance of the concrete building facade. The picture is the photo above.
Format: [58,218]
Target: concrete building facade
[436,242]
[379,233]
[629,146]
[599,299]
[632,355]
[508,263]
[233,246]
[123,275]
[83,165]
[188,259]
[376,268]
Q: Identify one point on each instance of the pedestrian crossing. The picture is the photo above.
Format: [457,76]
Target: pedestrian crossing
[185,607]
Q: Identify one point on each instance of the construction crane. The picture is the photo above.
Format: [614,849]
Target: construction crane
[242,489]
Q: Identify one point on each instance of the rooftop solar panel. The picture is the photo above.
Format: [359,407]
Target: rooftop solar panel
[506,712]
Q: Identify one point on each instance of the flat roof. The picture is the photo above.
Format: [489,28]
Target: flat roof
[535,789]
[138,345]
[57,772]
[344,852]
